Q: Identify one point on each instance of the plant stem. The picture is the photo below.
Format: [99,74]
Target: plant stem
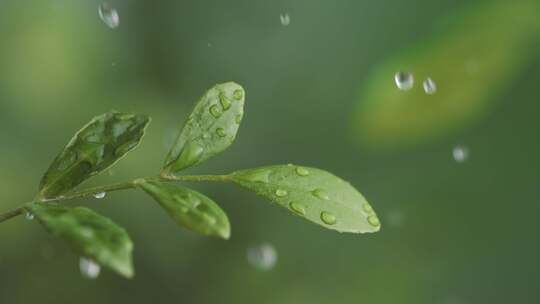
[114,187]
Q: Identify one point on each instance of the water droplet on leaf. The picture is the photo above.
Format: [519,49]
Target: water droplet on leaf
[367,208]
[404,80]
[221,132]
[100,195]
[429,86]
[238,94]
[262,257]
[225,103]
[302,171]
[285,19]
[328,218]
[281,192]
[298,208]
[320,193]
[373,220]
[215,111]
[29,216]
[109,15]
[89,269]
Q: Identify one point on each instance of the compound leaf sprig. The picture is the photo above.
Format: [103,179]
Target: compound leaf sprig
[313,194]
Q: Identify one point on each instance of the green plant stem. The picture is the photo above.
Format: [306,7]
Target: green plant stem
[114,187]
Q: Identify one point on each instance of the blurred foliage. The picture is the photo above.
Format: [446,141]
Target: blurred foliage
[473,56]
[452,233]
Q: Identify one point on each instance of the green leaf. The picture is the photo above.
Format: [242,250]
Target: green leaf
[93,149]
[89,234]
[210,129]
[472,60]
[189,208]
[313,194]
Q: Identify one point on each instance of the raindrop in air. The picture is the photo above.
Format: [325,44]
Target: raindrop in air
[109,15]
[29,216]
[460,154]
[262,257]
[89,269]
[285,19]
[404,80]
[100,195]
[429,86]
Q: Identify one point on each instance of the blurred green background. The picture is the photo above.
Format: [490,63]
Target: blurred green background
[452,233]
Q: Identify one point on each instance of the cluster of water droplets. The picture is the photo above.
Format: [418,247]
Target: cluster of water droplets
[263,256]
[405,81]
[89,269]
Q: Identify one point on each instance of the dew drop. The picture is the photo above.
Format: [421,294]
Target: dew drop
[206,136]
[29,216]
[89,269]
[367,208]
[320,193]
[259,176]
[373,220]
[221,132]
[263,257]
[238,118]
[460,154]
[298,208]
[215,111]
[281,193]
[429,86]
[404,80]
[285,19]
[225,103]
[328,218]
[109,15]
[302,171]
[100,195]
[238,94]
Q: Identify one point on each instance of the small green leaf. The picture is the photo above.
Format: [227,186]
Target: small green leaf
[189,208]
[210,129]
[313,194]
[93,149]
[89,234]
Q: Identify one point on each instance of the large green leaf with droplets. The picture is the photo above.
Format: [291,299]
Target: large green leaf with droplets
[189,208]
[94,148]
[209,129]
[472,56]
[89,234]
[313,194]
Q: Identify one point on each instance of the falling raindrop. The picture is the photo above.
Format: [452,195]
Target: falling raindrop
[29,216]
[460,153]
[404,80]
[262,257]
[100,195]
[285,19]
[109,15]
[89,269]
[429,86]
